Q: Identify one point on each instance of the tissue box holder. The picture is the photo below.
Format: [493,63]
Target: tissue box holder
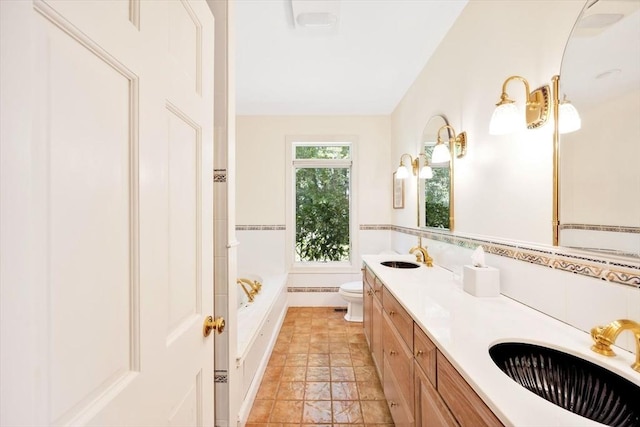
[481,281]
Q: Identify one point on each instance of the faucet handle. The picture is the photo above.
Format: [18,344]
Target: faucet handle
[602,345]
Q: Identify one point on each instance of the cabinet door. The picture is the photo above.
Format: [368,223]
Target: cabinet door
[367,311]
[376,334]
[467,406]
[430,410]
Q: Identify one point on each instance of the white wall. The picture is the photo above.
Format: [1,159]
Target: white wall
[503,187]
[261,187]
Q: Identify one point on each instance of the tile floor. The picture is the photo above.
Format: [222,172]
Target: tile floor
[320,373]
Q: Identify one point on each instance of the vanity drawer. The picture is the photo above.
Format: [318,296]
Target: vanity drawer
[376,285]
[399,317]
[398,358]
[399,407]
[424,350]
[464,403]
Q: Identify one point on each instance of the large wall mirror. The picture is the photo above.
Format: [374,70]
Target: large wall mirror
[599,164]
[435,195]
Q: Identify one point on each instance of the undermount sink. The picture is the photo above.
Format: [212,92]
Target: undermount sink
[570,382]
[400,264]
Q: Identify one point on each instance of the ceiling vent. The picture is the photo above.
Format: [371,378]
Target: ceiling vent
[316,16]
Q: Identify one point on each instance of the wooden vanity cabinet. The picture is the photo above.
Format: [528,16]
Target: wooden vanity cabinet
[422,388]
[430,409]
[463,401]
[372,321]
[367,306]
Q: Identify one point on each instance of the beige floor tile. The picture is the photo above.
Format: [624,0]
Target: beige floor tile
[318,374]
[344,391]
[286,411]
[296,359]
[294,373]
[370,390]
[261,411]
[342,373]
[366,373]
[267,390]
[340,359]
[376,411]
[319,347]
[347,411]
[291,390]
[316,359]
[317,391]
[339,347]
[317,411]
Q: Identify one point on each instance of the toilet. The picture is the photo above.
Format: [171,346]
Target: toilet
[351,292]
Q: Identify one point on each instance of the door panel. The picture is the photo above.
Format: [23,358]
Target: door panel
[113,273]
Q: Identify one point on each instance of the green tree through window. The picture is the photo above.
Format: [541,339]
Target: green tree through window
[322,184]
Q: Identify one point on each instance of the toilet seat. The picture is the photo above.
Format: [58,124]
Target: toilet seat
[352,287]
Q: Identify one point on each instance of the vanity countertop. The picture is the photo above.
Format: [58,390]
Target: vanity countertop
[464,327]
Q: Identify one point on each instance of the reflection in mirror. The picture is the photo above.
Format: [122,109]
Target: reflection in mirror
[436,194]
[599,169]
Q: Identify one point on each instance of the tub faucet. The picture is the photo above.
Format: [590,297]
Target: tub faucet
[422,255]
[605,336]
[254,284]
[250,293]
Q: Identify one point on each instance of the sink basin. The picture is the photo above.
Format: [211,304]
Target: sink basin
[570,382]
[400,264]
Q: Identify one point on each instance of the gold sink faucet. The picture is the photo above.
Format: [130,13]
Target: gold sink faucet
[422,255]
[605,336]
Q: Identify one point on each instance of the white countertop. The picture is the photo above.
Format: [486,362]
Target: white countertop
[464,327]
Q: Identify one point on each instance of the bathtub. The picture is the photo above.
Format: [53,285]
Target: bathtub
[258,326]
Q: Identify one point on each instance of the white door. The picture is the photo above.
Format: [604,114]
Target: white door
[106,212]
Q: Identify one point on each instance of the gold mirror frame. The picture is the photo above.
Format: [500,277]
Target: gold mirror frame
[430,135]
[602,84]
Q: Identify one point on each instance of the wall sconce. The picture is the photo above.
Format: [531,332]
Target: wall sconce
[442,153]
[507,119]
[569,119]
[425,172]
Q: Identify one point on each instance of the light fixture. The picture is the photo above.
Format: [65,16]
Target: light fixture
[442,153]
[506,117]
[425,171]
[568,117]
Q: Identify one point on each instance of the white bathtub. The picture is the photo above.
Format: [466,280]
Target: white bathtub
[258,326]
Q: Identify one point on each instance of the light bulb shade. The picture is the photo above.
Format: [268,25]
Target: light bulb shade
[506,119]
[568,118]
[402,172]
[426,172]
[440,154]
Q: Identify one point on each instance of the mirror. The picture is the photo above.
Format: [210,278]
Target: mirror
[599,164]
[435,195]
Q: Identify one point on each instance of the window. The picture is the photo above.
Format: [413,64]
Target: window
[322,202]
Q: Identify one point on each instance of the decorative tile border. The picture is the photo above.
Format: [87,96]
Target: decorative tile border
[624,273]
[595,227]
[219,175]
[300,289]
[260,227]
[221,376]
[590,265]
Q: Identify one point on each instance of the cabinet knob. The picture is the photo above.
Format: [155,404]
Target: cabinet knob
[391,313]
[392,353]
[393,404]
[369,292]
[419,353]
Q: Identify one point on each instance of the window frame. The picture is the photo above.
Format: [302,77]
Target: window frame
[292,164]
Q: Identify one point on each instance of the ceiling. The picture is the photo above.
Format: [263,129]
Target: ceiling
[363,66]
